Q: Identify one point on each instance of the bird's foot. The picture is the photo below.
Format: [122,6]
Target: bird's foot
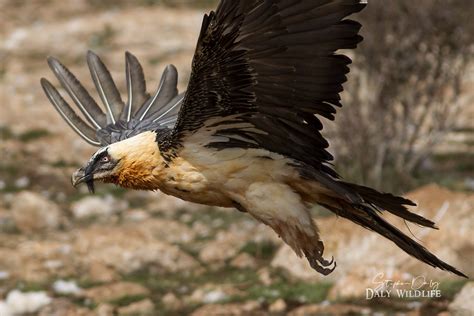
[320,264]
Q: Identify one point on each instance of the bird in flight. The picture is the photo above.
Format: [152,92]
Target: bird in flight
[247,132]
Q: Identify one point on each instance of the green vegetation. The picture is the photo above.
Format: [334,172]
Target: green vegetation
[32,286]
[449,288]
[60,164]
[33,134]
[245,280]
[102,38]
[6,133]
[128,299]
[293,292]
[264,250]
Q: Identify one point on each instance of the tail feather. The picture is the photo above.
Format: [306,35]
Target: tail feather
[368,218]
[391,203]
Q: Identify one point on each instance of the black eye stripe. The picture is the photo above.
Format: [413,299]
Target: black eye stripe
[101,155]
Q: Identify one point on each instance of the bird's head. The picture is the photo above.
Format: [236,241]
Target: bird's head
[130,163]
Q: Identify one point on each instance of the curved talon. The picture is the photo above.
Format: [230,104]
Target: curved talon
[320,264]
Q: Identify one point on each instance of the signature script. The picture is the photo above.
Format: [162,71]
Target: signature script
[417,283]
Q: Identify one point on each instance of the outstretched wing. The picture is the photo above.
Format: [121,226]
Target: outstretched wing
[262,70]
[121,120]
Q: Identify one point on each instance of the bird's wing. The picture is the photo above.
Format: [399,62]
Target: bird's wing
[121,120]
[262,70]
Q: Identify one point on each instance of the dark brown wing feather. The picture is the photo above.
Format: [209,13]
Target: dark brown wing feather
[271,64]
[141,113]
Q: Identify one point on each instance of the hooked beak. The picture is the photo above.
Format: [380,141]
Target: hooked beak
[81,176]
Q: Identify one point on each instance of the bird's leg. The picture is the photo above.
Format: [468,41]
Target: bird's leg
[281,208]
[318,263]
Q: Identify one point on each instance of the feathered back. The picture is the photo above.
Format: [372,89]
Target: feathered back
[121,120]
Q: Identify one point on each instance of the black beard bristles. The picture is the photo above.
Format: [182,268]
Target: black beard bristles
[90,186]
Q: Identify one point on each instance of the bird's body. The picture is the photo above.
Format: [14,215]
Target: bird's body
[247,132]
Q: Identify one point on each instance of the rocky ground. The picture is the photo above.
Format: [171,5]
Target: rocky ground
[65,252]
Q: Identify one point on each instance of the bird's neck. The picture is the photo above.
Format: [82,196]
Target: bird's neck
[140,161]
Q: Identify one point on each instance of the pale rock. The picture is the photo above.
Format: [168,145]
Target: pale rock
[100,272]
[22,182]
[64,307]
[214,297]
[350,286]
[105,309]
[23,303]
[463,303]
[212,293]
[265,276]
[279,306]
[244,261]
[114,291]
[170,301]
[168,230]
[33,213]
[329,309]
[4,275]
[136,216]
[98,206]
[66,287]
[225,246]
[233,309]
[143,307]
[4,309]
[130,248]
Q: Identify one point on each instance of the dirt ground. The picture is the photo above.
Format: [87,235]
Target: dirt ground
[65,252]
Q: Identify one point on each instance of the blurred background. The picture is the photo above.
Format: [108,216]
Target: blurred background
[407,126]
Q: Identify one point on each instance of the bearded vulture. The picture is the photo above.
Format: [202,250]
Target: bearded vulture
[247,132]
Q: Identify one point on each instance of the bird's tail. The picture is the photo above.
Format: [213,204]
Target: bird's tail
[367,215]
[396,205]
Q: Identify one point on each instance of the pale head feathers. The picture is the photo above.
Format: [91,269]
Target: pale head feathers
[138,159]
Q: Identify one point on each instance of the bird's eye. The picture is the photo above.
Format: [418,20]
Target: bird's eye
[105,159]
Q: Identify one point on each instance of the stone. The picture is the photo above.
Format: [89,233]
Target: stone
[66,287]
[97,206]
[351,285]
[463,303]
[329,309]
[62,306]
[232,309]
[111,292]
[143,307]
[105,309]
[129,248]
[19,303]
[264,276]
[225,246]
[32,213]
[171,302]
[279,306]
[100,272]
[244,261]
[212,293]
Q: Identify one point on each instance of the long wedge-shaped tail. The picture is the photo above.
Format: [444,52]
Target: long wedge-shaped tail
[366,213]
[120,120]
